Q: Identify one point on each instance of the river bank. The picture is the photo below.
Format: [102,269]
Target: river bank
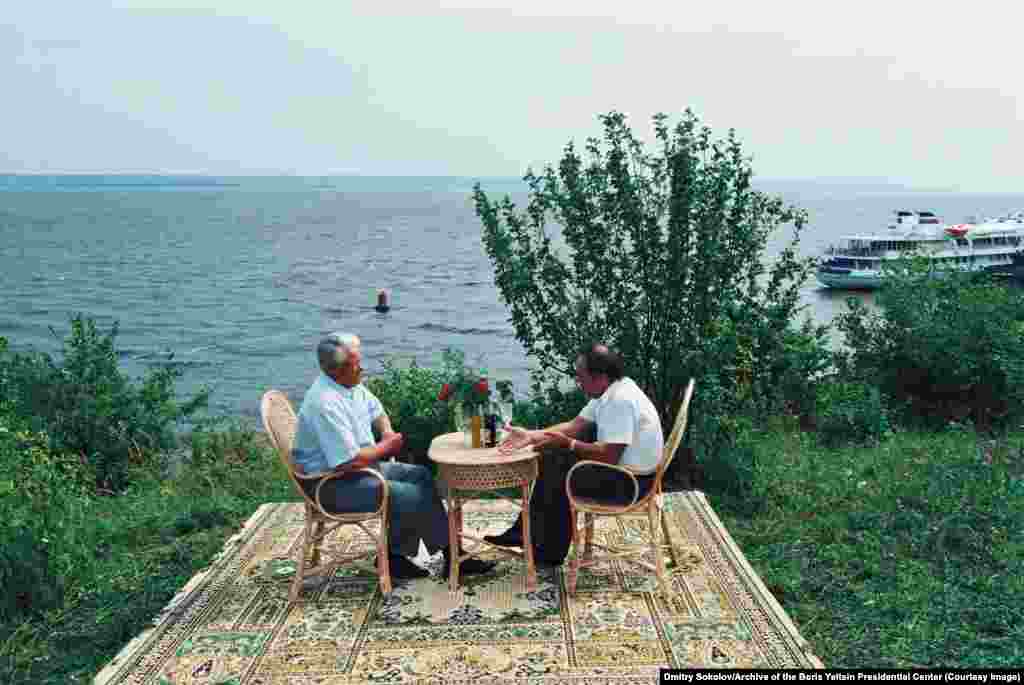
[900,555]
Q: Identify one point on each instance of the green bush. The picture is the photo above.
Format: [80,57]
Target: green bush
[850,412]
[90,572]
[944,349]
[221,440]
[658,254]
[732,471]
[87,406]
[42,493]
[548,403]
[409,395]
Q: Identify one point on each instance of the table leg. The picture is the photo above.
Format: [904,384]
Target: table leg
[454,538]
[531,569]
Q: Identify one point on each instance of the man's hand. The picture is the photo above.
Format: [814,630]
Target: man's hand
[516,439]
[391,445]
[555,439]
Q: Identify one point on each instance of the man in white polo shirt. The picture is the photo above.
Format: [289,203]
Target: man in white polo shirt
[335,433]
[628,433]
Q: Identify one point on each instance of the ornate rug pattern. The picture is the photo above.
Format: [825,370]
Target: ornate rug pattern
[232,623]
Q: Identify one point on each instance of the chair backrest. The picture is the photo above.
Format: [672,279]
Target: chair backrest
[280,422]
[676,436]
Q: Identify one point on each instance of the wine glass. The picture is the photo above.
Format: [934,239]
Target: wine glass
[504,410]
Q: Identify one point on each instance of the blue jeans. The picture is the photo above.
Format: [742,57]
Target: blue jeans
[415,511]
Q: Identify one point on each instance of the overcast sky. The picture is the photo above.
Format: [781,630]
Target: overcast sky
[919,92]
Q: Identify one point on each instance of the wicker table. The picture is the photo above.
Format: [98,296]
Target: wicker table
[476,469]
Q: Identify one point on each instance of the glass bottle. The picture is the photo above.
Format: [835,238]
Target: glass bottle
[476,427]
[490,426]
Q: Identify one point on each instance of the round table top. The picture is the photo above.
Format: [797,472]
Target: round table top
[449,449]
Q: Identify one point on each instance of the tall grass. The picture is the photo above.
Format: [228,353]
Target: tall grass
[127,556]
[908,553]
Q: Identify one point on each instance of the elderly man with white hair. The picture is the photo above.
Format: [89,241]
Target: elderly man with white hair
[335,433]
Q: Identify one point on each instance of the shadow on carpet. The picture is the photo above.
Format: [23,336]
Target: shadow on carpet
[232,624]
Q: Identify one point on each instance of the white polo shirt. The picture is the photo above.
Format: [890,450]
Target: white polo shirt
[625,415]
[334,423]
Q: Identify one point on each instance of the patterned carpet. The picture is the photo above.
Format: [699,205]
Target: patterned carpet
[232,624]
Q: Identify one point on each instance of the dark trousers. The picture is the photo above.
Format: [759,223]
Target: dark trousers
[549,505]
[415,509]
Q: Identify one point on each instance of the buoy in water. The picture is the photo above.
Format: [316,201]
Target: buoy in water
[383,301]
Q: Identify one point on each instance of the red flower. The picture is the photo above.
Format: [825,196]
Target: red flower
[481,386]
[446,392]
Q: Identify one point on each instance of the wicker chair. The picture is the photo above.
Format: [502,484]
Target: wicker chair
[280,422]
[651,503]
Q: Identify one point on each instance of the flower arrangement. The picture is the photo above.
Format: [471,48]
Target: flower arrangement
[469,393]
[469,387]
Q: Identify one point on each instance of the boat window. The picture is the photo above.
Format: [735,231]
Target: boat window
[962,242]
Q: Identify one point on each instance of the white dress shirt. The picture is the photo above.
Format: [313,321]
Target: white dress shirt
[334,423]
[625,415]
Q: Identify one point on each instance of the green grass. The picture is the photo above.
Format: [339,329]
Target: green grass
[905,554]
[136,551]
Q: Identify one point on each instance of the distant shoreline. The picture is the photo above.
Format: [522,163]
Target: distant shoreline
[198,180]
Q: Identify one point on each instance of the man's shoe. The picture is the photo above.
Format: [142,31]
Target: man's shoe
[471,567]
[403,569]
[468,567]
[513,537]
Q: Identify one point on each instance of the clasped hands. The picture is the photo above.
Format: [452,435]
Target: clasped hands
[519,438]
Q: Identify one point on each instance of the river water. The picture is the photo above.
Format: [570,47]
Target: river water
[239,277]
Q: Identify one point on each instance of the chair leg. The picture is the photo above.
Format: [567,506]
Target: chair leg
[300,567]
[454,513]
[653,519]
[317,534]
[666,540]
[588,546]
[383,565]
[577,552]
[524,516]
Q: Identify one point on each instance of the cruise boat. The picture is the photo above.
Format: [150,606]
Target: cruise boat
[989,245]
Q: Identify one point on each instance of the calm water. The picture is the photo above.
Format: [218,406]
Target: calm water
[239,277]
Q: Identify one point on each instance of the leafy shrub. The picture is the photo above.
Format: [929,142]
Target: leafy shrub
[223,440]
[731,469]
[548,403]
[659,255]
[38,489]
[409,395]
[797,370]
[87,406]
[850,412]
[946,349]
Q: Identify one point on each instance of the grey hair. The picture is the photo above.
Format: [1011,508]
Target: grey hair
[334,349]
